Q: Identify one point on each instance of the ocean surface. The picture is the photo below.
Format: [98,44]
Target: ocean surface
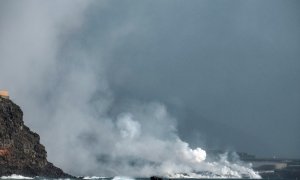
[18,177]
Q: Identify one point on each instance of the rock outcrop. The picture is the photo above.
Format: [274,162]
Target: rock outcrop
[20,149]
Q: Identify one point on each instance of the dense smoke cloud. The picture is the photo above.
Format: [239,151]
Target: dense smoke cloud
[59,67]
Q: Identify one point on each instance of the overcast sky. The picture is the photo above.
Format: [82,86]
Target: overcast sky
[228,72]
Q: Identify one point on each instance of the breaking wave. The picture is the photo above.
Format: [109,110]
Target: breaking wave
[15,176]
[122,178]
[94,177]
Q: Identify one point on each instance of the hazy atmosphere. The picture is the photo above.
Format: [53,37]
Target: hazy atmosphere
[109,82]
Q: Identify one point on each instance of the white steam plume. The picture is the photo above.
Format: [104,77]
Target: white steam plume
[67,100]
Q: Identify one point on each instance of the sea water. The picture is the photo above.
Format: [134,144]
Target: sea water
[19,177]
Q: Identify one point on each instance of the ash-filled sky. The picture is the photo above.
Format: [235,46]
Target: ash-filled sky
[217,74]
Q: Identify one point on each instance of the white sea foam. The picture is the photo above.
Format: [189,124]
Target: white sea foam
[93,177]
[122,178]
[197,176]
[15,176]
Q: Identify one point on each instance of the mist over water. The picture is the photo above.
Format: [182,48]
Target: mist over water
[64,92]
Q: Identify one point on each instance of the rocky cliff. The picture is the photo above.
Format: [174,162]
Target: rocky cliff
[20,149]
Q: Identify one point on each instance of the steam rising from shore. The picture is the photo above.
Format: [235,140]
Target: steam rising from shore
[66,98]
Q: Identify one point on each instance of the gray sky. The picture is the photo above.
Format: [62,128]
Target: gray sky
[211,74]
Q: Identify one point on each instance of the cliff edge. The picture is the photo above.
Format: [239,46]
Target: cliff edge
[20,149]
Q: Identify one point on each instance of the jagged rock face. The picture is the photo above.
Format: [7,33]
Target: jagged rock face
[20,149]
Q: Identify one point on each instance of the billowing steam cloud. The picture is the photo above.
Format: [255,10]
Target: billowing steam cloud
[63,89]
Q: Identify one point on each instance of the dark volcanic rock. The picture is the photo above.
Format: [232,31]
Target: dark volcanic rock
[155,178]
[20,149]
